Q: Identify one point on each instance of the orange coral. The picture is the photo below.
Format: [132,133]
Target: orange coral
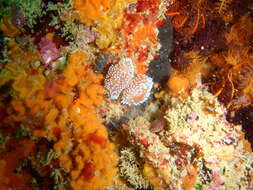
[178,84]
[92,145]
[144,33]
[67,107]
[140,30]
[86,134]
[91,9]
[141,68]
[105,15]
[190,180]
[25,81]
[9,162]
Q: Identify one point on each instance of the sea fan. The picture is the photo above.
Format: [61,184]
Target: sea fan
[223,5]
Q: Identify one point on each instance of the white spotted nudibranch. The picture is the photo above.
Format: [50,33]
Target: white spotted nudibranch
[118,77]
[120,80]
[137,91]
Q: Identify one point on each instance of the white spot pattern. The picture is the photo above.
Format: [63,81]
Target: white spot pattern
[120,80]
[138,90]
[118,77]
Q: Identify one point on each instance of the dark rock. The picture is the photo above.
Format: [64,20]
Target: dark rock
[244,117]
[159,68]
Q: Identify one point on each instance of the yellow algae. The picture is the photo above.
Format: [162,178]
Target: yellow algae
[130,169]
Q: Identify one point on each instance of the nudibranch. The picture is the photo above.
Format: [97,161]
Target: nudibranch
[121,80]
[118,77]
[137,91]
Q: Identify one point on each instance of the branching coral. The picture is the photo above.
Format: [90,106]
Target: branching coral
[233,36]
[234,88]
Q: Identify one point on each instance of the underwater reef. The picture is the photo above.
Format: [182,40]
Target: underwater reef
[126,94]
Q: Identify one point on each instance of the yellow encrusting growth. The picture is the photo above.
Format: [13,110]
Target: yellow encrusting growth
[91,146]
[25,81]
[91,9]
[67,108]
[105,15]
